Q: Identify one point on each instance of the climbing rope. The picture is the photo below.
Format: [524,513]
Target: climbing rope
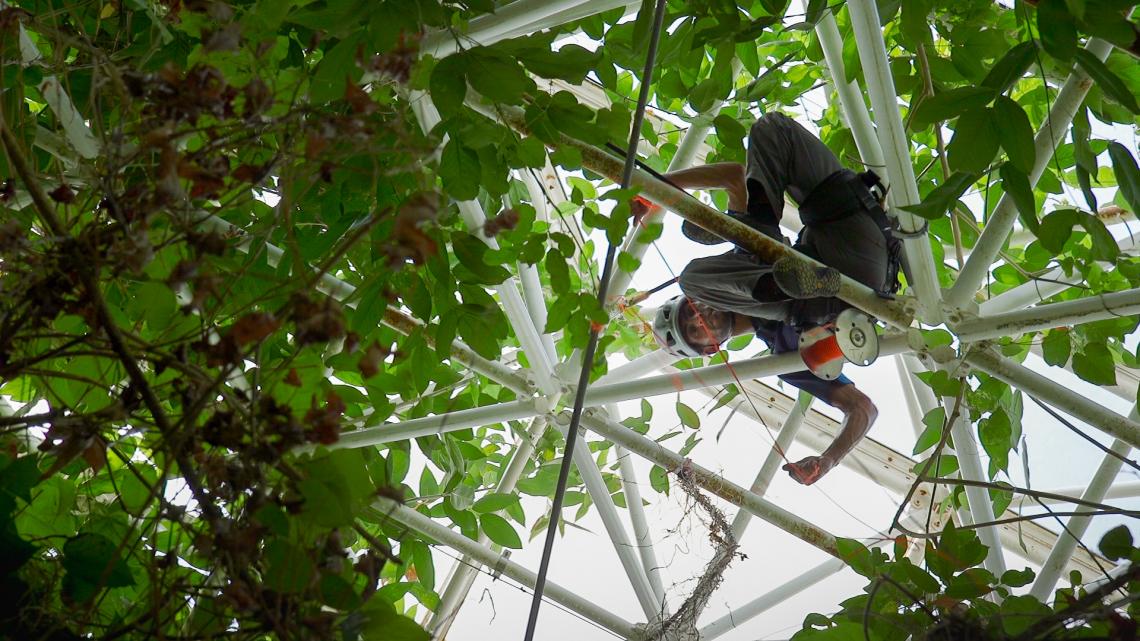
[592,344]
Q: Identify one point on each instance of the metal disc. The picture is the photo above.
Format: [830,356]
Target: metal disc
[830,370]
[857,337]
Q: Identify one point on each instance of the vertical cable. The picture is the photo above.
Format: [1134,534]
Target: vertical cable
[592,345]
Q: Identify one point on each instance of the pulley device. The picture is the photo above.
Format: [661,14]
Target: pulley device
[851,338]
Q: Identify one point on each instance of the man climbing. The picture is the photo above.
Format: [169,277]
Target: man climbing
[845,228]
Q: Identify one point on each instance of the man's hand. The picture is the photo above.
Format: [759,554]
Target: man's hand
[640,207]
[810,469]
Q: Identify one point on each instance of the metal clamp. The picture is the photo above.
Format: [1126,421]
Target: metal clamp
[500,565]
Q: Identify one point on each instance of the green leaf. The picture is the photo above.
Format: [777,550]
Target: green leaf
[1015,133]
[939,201]
[1104,246]
[449,85]
[1017,578]
[1109,82]
[919,577]
[497,77]
[570,63]
[1126,172]
[460,170]
[1020,612]
[1056,346]
[471,252]
[337,67]
[934,421]
[1011,67]
[556,267]
[951,104]
[970,584]
[425,566]
[385,624]
[688,417]
[659,479]
[1016,184]
[1056,228]
[288,567]
[975,141]
[500,531]
[94,559]
[1095,365]
[856,555]
[494,502]
[338,593]
[1057,28]
[995,433]
[914,25]
[1117,543]
[946,465]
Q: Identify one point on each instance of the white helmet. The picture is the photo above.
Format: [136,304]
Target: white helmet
[668,332]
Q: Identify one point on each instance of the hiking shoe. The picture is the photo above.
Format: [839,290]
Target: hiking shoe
[698,234]
[802,280]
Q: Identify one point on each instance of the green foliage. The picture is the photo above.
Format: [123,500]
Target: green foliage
[949,598]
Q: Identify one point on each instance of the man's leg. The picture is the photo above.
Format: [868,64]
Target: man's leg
[784,156]
[735,282]
[856,248]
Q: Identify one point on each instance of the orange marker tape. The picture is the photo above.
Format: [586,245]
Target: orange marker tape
[821,352]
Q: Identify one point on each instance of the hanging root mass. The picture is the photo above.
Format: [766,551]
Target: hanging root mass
[682,625]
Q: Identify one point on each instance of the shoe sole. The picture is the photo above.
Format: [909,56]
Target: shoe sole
[699,234]
[800,280]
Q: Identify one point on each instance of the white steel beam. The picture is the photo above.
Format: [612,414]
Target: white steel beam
[892,470]
[576,12]
[709,481]
[850,96]
[463,575]
[896,152]
[436,424]
[714,375]
[488,557]
[1052,393]
[1000,222]
[641,533]
[978,498]
[1117,490]
[767,601]
[1045,286]
[511,19]
[1063,314]
[630,560]
[508,291]
[1077,525]
[771,465]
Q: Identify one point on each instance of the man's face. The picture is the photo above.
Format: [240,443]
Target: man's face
[705,328]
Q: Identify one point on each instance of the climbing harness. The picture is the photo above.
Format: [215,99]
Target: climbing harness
[846,193]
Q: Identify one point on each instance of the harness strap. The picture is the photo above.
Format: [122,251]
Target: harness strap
[845,193]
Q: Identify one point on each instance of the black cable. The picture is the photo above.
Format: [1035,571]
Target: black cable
[519,586]
[592,345]
[1101,446]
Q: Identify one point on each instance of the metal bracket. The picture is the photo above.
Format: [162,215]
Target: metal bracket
[857,338]
[502,563]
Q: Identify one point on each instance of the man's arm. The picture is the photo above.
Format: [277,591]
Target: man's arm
[858,415]
[728,176]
